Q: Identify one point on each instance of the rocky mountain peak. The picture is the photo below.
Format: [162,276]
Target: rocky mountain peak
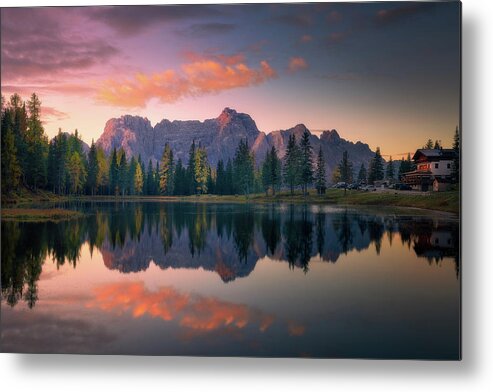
[220,137]
[330,136]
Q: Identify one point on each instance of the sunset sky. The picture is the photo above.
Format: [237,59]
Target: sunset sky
[387,74]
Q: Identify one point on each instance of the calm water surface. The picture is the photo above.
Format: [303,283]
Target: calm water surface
[226,279]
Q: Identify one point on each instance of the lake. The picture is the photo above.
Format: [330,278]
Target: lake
[233,280]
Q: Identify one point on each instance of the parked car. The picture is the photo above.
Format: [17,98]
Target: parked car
[369,188]
[353,186]
[340,185]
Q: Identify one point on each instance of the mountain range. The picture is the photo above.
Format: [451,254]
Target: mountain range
[220,137]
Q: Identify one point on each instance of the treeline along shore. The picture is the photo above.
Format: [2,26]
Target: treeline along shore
[36,169]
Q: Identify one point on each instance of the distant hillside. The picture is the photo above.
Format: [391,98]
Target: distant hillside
[220,136]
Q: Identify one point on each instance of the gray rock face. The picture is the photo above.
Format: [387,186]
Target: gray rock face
[220,137]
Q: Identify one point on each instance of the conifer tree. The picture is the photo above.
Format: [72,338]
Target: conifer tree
[114,181]
[166,171]
[92,169]
[376,172]
[191,173]
[180,179]
[243,168]
[390,172]
[123,173]
[11,170]
[201,170]
[132,170]
[220,178]
[139,179]
[345,169]
[306,169]
[267,173]
[428,145]
[150,179]
[292,164]
[320,181]
[362,175]
[77,173]
[229,188]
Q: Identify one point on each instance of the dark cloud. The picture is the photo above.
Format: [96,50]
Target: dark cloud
[393,15]
[130,20]
[292,19]
[207,29]
[43,44]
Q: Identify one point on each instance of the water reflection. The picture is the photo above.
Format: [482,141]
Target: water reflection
[226,239]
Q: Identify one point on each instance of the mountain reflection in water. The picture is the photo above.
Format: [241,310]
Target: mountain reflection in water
[227,239]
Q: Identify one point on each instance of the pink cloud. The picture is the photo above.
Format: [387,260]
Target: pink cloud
[200,76]
[49,114]
[297,64]
[195,312]
[306,38]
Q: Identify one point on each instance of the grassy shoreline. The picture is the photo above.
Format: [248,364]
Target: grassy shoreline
[38,214]
[435,201]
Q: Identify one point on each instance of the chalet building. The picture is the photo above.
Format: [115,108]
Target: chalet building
[433,167]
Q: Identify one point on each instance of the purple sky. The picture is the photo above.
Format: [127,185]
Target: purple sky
[384,73]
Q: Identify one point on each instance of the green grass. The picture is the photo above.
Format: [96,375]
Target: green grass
[23,196]
[439,201]
[38,214]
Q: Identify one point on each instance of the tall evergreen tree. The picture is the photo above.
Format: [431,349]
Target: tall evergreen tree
[437,145]
[139,179]
[376,172]
[428,145]
[132,170]
[180,186]
[166,171]
[362,175]
[77,173]
[320,180]
[346,169]
[102,179]
[113,177]
[37,145]
[150,179]
[229,188]
[276,170]
[267,173]
[11,170]
[92,169]
[191,173]
[292,164]
[243,167]
[123,173]
[220,178]
[390,171]
[306,161]
[201,170]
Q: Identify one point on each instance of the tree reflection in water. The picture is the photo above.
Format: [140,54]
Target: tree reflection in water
[227,239]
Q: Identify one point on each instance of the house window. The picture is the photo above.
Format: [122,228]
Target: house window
[448,165]
[436,165]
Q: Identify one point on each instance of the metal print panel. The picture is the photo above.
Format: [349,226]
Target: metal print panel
[267,180]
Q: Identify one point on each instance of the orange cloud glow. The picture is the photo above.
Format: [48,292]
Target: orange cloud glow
[306,38]
[192,311]
[297,64]
[199,77]
[295,329]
